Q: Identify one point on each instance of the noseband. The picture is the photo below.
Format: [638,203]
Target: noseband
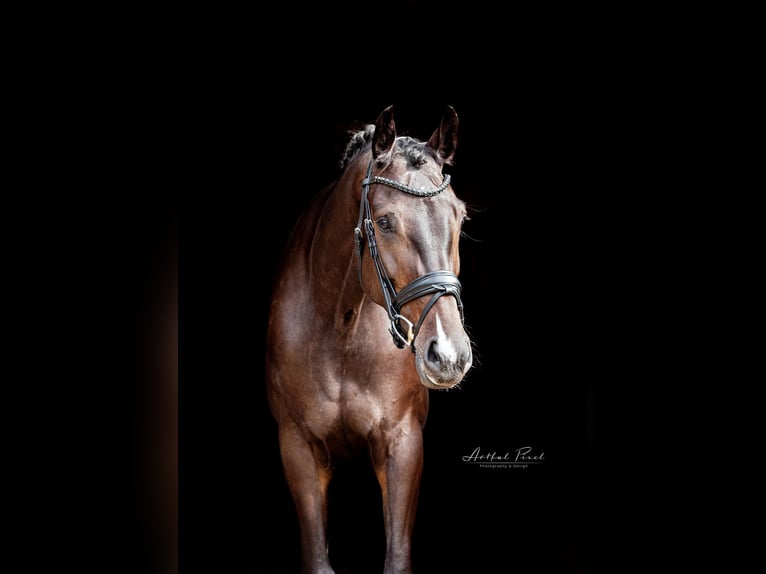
[434,283]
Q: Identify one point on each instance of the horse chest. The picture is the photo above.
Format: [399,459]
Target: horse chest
[363,407]
[356,403]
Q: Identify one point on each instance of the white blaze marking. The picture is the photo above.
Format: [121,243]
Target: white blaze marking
[446,348]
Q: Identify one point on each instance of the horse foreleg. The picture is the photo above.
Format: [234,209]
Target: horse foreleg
[398,462]
[308,481]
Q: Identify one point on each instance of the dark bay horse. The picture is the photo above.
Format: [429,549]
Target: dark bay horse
[366,316]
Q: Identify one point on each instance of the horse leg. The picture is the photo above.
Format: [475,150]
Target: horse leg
[308,481]
[398,462]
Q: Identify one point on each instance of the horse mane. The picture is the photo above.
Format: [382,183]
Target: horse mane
[415,151]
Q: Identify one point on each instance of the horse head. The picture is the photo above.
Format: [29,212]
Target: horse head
[411,220]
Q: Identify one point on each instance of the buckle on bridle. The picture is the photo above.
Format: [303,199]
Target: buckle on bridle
[402,342]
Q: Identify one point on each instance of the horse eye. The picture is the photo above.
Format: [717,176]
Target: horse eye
[383,224]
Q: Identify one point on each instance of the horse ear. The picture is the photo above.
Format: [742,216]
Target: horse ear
[444,139]
[384,137]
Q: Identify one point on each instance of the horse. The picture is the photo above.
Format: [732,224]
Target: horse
[365,318]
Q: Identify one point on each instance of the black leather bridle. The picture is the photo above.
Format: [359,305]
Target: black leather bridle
[434,283]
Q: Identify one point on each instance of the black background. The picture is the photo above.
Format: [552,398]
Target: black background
[207,127]
[267,125]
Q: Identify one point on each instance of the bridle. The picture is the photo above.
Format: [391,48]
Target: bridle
[434,283]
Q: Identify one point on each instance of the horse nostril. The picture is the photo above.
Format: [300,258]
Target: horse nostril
[432,355]
[445,357]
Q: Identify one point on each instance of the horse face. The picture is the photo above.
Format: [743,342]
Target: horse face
[416,235]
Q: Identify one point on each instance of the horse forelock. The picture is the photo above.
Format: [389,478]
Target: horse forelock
[414,151]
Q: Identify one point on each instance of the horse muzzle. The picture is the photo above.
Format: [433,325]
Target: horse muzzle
[442,361]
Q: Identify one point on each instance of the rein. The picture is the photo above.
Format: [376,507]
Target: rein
[434,283]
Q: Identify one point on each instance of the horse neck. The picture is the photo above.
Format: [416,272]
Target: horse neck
[332,261]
